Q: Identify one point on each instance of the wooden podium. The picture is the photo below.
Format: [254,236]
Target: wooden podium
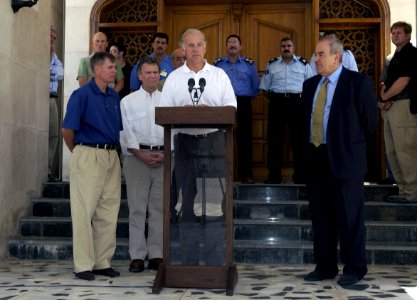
[197,276]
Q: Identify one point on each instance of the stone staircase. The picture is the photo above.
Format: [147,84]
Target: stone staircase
[271,226]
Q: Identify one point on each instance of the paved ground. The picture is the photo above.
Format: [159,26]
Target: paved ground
[46,280]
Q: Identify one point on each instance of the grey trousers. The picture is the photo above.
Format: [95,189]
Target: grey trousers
[144,187]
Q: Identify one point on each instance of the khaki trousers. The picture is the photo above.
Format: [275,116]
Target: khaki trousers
[144,188]
[400,133]
[95,200]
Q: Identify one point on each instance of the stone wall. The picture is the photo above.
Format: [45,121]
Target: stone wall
[24,64]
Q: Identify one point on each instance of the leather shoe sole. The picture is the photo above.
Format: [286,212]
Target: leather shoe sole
[136,266]
[109,272]
[348,279]
[85,275]
[318,276]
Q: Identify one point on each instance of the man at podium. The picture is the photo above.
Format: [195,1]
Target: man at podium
[199,157]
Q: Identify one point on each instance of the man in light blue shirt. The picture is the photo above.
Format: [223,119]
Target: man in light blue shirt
[56,71]
[159,46]
[283,80]
[339,113]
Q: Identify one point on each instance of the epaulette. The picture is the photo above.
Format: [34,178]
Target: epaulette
[250,61]
[217,60]
[273,59]
[303,60]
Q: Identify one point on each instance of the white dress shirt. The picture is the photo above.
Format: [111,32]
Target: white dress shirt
[138,116]
[217,92]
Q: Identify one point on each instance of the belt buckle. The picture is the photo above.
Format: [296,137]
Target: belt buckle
[287,95]
[153,148]
[107,147]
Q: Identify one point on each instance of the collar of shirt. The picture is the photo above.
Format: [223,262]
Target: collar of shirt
[281,60]
[150,95]
[334,77]
[206,68]
[97,90]
[240,59]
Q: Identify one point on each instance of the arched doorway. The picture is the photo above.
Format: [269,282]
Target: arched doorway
[362,26]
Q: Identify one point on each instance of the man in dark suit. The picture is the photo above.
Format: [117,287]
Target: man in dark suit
[338,119]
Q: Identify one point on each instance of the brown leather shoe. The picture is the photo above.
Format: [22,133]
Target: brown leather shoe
[154,263]
[136,266]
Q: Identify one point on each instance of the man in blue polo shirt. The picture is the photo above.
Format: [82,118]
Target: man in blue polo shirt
[91,130]
[159,46]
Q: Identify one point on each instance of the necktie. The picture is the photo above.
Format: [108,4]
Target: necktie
[317,126]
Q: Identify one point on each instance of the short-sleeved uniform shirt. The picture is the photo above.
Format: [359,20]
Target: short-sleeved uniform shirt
[243,75]
[280,77]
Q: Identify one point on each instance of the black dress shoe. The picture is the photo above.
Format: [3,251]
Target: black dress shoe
[154,263]
[85,275]
[136,266]
[109,272]
[348,279]
[318,276]
[399,199]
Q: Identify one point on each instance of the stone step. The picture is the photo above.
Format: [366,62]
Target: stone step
[290,192]
[251,209]
[60,207]
[272,230]
[301,230]
[299,210]
[253,252]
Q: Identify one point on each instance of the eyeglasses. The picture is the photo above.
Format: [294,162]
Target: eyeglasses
[233,43]
[179,58]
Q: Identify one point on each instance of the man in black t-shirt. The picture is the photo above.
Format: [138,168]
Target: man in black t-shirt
[400,124]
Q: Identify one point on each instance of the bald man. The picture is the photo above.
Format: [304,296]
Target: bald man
[85,72]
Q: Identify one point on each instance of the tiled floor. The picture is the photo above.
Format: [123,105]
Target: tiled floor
[54,280]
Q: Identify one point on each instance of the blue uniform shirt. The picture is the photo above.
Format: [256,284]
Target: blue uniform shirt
[280,77]
[93,115]
[166,68]
[242,74]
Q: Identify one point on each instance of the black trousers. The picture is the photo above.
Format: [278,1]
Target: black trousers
[337,213]
[285,112]
[197,156]
[244,136]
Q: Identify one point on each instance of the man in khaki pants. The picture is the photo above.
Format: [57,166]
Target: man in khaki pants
[397,102]
[91,130]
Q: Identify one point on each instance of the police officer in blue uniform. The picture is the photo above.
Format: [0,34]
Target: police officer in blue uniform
[245,81]
[283,80]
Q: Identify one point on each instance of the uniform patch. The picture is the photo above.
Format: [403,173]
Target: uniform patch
[303,60]
[250,61]
[273,59]
[217,60]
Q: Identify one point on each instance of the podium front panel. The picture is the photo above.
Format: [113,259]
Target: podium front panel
[198,197]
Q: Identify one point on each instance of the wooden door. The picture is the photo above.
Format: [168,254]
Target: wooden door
[261,27]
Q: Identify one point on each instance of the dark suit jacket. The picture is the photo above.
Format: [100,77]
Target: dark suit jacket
[353,116]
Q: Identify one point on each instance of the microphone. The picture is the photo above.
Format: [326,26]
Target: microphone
[191,83]
[202,84]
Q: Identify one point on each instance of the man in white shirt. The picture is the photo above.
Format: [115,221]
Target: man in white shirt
[198,151]
[142,144]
